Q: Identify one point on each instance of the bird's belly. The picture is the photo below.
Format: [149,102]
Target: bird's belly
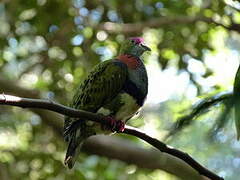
[126,108]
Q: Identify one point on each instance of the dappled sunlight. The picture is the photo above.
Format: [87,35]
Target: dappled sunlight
[8,140]
[224,66]
[149,127]
[29,80]
[102,35]
[164,85]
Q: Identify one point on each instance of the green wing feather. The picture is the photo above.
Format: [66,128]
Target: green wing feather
[102,84]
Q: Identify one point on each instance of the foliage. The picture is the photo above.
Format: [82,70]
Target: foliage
[50,45]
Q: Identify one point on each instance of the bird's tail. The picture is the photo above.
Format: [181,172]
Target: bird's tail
[73,149]
[75,134]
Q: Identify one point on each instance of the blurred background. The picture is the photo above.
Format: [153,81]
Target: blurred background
[48,46]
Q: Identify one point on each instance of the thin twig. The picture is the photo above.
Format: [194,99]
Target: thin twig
[198,109]
[64,110]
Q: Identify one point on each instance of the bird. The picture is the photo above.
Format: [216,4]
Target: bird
[115,88]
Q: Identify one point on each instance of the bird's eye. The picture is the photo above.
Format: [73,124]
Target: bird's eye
[133,41]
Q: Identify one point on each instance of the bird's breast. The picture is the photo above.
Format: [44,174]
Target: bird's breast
[129,107]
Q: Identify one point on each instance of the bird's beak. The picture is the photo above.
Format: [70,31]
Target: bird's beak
[145,48]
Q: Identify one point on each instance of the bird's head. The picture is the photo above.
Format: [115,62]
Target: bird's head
[134,46]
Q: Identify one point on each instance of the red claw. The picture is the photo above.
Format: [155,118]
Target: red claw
[113,124]
[120,126]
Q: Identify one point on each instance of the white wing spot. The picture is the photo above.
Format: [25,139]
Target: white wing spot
[104,111]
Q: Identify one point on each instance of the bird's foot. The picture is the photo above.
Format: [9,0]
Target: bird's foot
[120,126]
[113,124]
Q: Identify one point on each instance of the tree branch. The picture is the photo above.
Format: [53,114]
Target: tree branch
[121,149]
[50,105]
[133,28]
[109,146]
[51,118]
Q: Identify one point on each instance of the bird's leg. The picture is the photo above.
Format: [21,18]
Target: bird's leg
[112,124]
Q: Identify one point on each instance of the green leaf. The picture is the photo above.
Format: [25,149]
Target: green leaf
[236,96]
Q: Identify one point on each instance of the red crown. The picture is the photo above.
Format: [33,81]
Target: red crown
[137,40]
